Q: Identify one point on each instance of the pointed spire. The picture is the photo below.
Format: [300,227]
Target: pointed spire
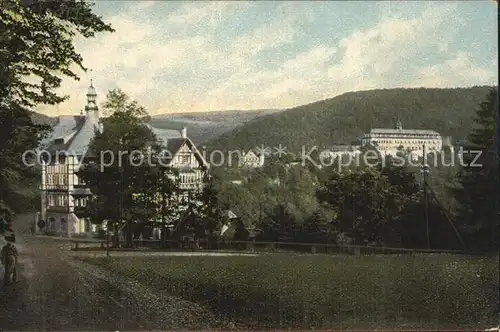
[91,101]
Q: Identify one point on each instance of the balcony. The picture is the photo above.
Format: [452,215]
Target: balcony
[56,187]
[58,209]
[81,192]
[190,186]
[80,211]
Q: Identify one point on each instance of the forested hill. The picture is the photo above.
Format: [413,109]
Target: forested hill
[346,117]
[43,119]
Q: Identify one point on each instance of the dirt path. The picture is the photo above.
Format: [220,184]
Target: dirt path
[56,292]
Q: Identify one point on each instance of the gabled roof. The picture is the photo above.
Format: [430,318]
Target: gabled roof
[71,134]
[175,144]
[173,141]
[64,133]
[65,125]
[255,152]
[164,134]
[81,141]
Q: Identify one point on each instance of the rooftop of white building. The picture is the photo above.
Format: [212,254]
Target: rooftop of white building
[398,130]
[403,131]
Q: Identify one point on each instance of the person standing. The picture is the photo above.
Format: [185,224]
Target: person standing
[9,258]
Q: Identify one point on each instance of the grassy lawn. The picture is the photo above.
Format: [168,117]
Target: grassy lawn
[305,291]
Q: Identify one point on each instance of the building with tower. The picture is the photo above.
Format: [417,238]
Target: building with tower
[390,141]
[64,196]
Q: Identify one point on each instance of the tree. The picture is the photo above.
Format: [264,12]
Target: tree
[212,212]
[36,41]
[369,156]
[18,182]
[478,190]
[241,200]
[299,193]
[319,227]
[368,207]
[125,181]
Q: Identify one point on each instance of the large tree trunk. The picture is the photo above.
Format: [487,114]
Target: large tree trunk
[163,236]
[116,237]
[129,243]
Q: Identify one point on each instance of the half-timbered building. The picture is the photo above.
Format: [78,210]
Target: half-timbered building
[64,196]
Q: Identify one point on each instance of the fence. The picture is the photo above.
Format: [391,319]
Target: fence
[253,246]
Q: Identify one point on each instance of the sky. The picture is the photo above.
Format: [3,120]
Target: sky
[215,56]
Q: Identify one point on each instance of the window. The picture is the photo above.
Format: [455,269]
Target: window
[185,159]
[52,224]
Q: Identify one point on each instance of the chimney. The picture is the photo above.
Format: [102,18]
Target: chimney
[184,132]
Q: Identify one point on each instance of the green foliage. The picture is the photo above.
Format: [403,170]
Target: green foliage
[212,212]
[36,41]
[239,200]
[346,117]
[369,206]
[127,183]
[477,192]
[118,103]
[325,292]
[18,182]
[379,199]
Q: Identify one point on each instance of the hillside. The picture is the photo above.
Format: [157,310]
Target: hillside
[346,117]
[43,119]
[205,126]
[201,126]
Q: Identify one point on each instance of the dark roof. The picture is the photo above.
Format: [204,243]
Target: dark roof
[64,127]
[82,135]
[81,192]
[175,144]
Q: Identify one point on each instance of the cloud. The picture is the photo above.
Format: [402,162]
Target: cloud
[216,55]
[457,71]
[211,12]
[145,4]
[393,45]
[281,30]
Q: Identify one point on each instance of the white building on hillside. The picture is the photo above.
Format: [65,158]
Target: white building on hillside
[253,159]
[390,141]
[64,195]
